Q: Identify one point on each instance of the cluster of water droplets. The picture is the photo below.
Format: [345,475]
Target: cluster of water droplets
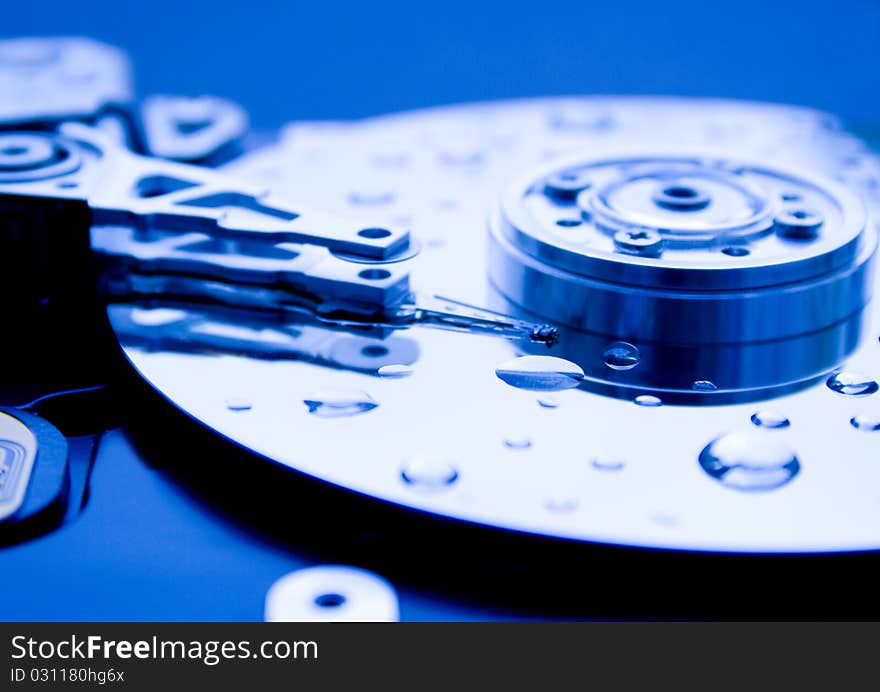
[855,384]
[755,459]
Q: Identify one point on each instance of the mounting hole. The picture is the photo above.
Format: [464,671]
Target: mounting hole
[374,233]
[14,151]
[374,274]
[374,351]
[330,600]
[568,223]
[681,197]
[736,251]
[680,192]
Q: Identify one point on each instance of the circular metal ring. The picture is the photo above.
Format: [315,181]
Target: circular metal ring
[745,199]
[25,157]
[707,291]
[681,196]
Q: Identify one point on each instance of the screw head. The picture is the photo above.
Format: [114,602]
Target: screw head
[798,224]
[565,186]
[645,242]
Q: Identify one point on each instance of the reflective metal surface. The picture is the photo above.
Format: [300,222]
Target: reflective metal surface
[451,436]
[743,276]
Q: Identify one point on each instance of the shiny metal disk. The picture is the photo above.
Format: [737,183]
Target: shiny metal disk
[454,439]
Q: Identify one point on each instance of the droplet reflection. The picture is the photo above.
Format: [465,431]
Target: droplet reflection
[339,403]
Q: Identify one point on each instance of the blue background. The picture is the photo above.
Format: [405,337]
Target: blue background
[168,557]
[293,60]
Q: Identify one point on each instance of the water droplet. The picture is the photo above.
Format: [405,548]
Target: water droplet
[647,400]
[610,464]
[518,443]
[338,403]
[866,423]
[770,419]
[851,384]
[429,472]
[548,401]
[621,356]
[237,404]
[394,371]
[540,373]
[749,460]
[704,386]
[561,504]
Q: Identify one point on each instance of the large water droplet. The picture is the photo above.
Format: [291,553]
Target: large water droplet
[866,423]
[540,373]
[749,460]
[647,400]
[394,371]
[338,403]
[517,443]
[851,384]
[609,464]
[238,404]
[621,356]
[704,386]
[429,472]
[770,419]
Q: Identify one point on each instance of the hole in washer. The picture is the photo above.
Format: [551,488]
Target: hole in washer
[330,600]
[680,192]
[736,251]
[13,151]
[374,233]
[68,185]
[790,197]
[374,351]
[568,223]
[800,214]
[374,274]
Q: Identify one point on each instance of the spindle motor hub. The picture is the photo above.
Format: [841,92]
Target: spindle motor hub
[719,276]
